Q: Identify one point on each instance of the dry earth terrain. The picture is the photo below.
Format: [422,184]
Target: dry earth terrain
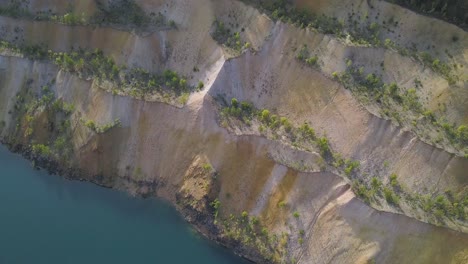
[378,174]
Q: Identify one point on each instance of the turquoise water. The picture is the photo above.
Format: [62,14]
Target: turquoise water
[47,219]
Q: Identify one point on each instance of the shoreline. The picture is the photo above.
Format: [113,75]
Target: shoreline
[54,168]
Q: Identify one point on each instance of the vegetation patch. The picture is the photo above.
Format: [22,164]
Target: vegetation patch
[168,86]
[100,129]
[238,114]
[403,106]
[453,11]
[438,208]
[285,11]
[123,13]
[127,12]
[371,190]
[43,123]
[357,29]
[226,37]
[305,56]
[249,231]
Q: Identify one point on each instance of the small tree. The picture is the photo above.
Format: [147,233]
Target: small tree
[324,146]
[375,183]
[393,180]
[245,215]
[200,85]
[390,196]
[234,103]
[216,204]
[462,133]
[265,115]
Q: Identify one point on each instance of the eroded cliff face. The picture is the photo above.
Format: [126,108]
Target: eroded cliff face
[241,182]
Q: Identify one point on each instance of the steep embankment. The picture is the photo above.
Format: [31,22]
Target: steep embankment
[157,144]
[306,95]
[417,33]
[237,184]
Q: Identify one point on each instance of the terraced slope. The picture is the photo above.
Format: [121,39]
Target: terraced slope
[213,121]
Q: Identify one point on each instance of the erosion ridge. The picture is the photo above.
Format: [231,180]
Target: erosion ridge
[240,184]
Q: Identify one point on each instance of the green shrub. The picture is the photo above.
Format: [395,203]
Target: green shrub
[216,204]
[91,125]
[274,122]
[265,116]
[234,103]
[101,129]
[247,107]
[207,167]
[286,124]
[351,166]
[390,196]
[225,36]
[376,183]
[60,144]
[281,204]
[462,133]
[184,97]
[307,132]
[394,180]
[373,81]
[361,191]
[41,150]
[443,204]
[200,86]
[324,146]
[303,53]
[245,215]
[312,61]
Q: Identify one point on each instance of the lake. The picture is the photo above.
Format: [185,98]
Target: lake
[48,219]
